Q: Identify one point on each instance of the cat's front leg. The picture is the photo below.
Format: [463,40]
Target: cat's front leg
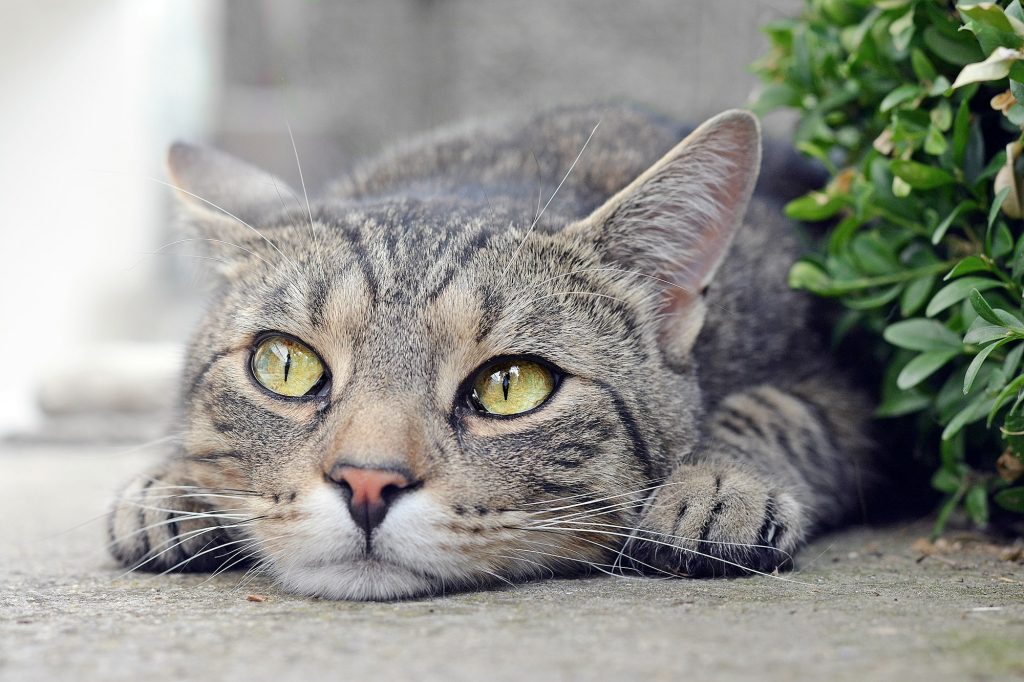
[717,518]
[778,464]
[163,521]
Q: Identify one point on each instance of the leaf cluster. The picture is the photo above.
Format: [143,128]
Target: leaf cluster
[916,109]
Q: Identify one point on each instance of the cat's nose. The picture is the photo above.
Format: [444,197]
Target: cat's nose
[371,492]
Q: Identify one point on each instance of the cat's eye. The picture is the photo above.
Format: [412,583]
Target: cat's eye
[287,367]
[512,386]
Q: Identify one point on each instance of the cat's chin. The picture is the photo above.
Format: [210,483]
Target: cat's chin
[364,579]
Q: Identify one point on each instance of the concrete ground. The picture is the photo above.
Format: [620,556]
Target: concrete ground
[867,607]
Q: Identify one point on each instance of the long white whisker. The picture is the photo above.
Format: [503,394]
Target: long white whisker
[587,525]
[187,240]
[225,212]
[302,180]
[697,553]
[553,194]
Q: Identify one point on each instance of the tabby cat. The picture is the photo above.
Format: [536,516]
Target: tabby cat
[445,373]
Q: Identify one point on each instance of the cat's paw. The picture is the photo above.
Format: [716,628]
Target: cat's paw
[717,520]
[160,523]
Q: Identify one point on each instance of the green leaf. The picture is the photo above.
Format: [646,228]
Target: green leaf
[1004,396]
[1013,430]
[873,254]
[922,335]
[982,307]
[976,504]
[1011,499]
[923,67]
[961,208]
[951,503]
[978,361]
[984,333]
[1014,10]
[961,130]
[946,481]
[923,366]
[1012,361]
[775,96]
[916,294]
[1002,241]
[941,116]
[935,142]
[921,176]
[997,66]
[997,203]
[875,300]
[807,275]
[898,96]
[991,25]
[956,291]
[899,403]
[813,207]
[952,48]
[967,265]
[977,409]
[1009,320]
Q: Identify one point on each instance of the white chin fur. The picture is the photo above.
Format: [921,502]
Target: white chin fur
[360,579]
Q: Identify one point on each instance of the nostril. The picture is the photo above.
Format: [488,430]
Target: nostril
[369,492]
[389,492]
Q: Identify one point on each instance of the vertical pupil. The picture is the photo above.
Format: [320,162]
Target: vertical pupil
[287,365]
[505,384]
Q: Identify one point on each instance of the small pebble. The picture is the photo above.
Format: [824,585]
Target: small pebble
[256,597]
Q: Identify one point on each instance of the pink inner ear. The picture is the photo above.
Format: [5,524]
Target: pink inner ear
[679,219]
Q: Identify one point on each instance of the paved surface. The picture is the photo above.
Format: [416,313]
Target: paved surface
[867,608]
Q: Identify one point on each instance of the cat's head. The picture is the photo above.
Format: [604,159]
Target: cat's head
[419,396]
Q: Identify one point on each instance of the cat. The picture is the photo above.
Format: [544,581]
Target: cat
[447,374]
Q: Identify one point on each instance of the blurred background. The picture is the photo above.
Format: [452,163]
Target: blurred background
[97,299]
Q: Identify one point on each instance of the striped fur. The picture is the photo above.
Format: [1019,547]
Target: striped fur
[700,428]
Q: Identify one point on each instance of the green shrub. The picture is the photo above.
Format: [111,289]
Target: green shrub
[915,107]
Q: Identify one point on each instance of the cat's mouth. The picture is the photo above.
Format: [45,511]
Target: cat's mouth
[365,577]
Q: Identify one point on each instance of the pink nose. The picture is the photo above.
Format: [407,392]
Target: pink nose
[371,491]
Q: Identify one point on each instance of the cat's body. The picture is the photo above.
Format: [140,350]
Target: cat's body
[686,433]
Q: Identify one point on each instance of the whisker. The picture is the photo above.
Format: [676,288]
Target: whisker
[697,553]
[598,499]
[536,220]
[614,565]
[302,180]
[222,210]
[645,531]
[183,538]
[530,561]
[187,240]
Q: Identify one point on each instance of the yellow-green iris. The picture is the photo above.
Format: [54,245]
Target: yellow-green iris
[512,386]
[286,366]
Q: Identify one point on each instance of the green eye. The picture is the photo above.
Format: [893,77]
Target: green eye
[287,367]
[512,386]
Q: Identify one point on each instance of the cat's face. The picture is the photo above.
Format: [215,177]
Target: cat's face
[402,471]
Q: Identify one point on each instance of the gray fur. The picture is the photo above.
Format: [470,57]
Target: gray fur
[693,434]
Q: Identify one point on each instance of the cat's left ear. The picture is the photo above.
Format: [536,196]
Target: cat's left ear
[221,191]
[675,222]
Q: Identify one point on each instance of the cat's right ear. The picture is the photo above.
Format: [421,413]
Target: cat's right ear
[224,194]
[675,222]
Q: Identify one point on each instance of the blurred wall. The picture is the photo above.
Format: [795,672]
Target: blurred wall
[91,92]
[352,76]
[93,286]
